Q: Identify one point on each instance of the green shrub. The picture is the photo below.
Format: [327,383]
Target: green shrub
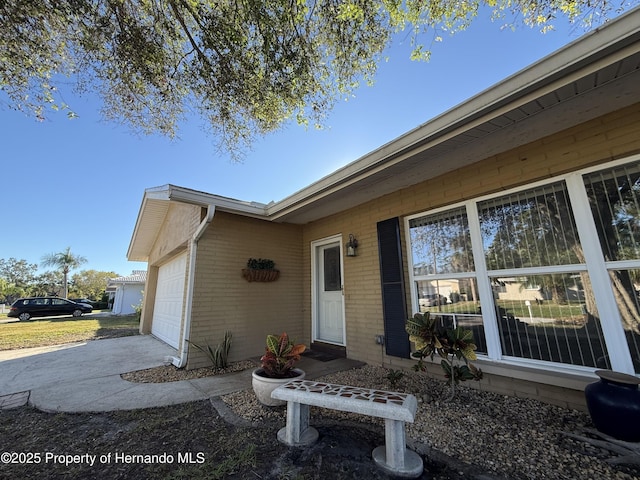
[219,356]
[452,345]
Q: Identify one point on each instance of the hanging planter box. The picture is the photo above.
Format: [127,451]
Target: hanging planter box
[260,270]
[257,275]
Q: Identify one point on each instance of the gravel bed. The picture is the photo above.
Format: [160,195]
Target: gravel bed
[169,373]
[507,437]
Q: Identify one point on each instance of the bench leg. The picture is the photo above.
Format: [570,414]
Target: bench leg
[394,457]
[297,432]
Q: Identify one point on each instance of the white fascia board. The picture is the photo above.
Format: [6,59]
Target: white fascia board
[157,193]
[195,197]
[583,54]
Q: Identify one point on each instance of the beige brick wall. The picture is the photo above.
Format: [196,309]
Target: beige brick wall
[224,300]
[252,310]
[598,141]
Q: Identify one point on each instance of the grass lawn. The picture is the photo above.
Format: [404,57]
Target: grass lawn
[57,330]
[548,309]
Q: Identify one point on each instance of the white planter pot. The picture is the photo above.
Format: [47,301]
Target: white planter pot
[263,386]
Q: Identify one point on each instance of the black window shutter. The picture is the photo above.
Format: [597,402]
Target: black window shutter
[394,304]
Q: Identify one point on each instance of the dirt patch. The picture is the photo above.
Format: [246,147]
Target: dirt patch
[183,441]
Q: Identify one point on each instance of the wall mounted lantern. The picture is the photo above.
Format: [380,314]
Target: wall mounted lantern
[352,246]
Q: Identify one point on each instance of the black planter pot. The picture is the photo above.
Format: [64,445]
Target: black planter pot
[614,405]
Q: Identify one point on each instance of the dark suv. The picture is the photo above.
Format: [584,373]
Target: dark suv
[25,308]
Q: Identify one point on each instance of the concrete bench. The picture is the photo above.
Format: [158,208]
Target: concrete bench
[395,408]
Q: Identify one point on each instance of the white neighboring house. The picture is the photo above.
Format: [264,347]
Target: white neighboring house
[125,293]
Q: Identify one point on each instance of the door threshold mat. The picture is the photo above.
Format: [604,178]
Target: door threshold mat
[320,356]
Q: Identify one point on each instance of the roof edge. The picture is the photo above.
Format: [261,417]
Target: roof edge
[168,192]
[588,49]
[187,195]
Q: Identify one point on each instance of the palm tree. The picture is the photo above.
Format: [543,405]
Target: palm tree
[64,261]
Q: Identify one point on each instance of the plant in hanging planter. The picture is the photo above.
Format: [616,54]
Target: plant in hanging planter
[453,345]
[260,264]
[260,270]
[277,367]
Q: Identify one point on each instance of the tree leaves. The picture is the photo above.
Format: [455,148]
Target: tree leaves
[245,67]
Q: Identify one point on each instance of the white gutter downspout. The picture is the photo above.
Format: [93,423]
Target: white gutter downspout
[181,361]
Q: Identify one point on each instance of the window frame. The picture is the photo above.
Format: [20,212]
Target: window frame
[595,265]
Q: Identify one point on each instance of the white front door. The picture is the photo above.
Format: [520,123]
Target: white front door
[328,298]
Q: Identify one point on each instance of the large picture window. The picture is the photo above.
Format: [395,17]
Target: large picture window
[541,312]
[519,269]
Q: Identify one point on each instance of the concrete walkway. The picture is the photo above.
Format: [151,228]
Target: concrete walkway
[85,377]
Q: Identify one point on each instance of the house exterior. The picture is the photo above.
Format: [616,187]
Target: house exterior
[520,207]
[125,293]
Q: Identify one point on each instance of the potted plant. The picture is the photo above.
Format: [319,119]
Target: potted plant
[453,345]
[277,368]
[260,270]
[614,405]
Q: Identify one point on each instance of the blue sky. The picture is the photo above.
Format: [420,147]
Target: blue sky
[79,183]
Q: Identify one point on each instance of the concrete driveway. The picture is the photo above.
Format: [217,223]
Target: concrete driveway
[86,377]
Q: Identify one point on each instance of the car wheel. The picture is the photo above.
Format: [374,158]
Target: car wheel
[24,316]
[77,312]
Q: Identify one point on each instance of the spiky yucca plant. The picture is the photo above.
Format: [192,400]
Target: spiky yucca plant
[281,356]
[219,356]
[450,344]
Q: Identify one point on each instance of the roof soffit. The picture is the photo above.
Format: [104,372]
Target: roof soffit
[456,139]
[150,218]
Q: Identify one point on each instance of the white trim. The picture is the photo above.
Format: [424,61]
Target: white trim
[204,199]
[314,287]
[608,310]
[485,292]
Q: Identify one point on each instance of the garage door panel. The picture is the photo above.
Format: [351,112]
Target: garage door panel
[167,310]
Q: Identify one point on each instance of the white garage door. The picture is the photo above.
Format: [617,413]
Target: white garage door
[167,310]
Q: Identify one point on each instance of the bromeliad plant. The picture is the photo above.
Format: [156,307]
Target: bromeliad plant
[453,345]
[281,356]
